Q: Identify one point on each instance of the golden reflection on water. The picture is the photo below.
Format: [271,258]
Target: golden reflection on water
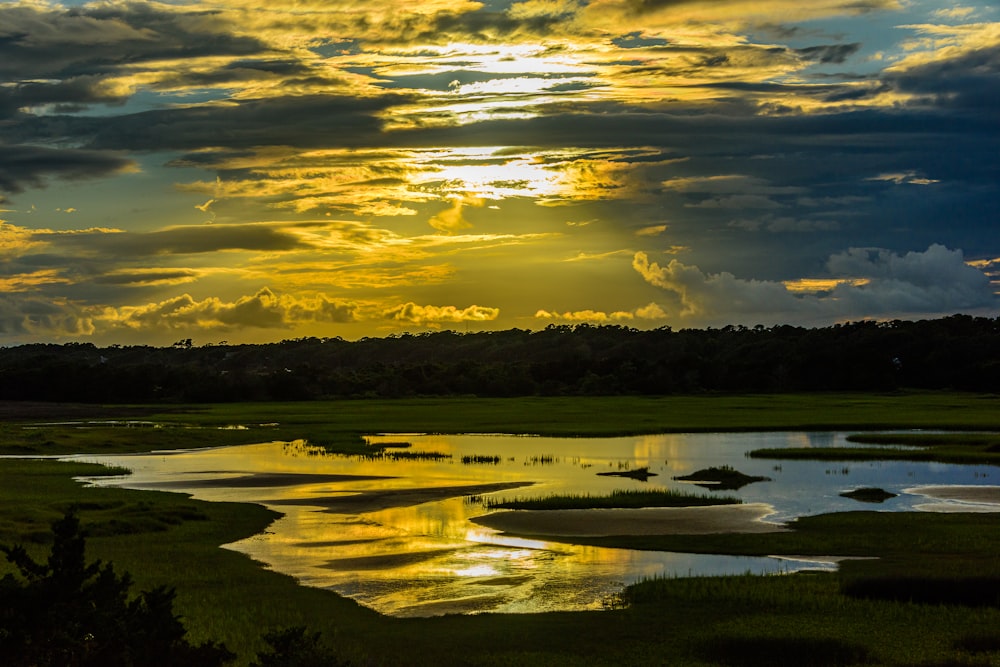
[396,534]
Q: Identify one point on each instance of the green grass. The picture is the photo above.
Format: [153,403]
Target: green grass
[963,448]
[617,499]
[339,425]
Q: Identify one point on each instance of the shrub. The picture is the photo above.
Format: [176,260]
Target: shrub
[68,612]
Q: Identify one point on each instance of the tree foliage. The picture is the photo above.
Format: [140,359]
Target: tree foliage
[960,352]
[67,612]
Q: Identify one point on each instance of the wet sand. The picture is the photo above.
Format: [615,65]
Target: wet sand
[360,502]
[265,480]
[651,521]
[987,497]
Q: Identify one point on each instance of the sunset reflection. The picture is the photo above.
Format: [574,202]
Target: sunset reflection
[397,534]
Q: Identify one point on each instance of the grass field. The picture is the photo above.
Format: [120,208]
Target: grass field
[856,616]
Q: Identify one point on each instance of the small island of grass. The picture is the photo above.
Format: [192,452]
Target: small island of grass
[722,477]
[618,499]
[641,474]
[869,495]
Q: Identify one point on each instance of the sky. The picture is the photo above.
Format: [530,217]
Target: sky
[242,172]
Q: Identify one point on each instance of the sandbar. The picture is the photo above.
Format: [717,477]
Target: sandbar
[649,521]
[264,480]
[364,501]
[987,496]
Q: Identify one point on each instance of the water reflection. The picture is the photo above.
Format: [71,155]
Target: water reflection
[395,533]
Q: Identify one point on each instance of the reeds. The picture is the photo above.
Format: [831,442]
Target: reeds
[617,499]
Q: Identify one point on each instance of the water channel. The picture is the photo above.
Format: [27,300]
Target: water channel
[396,534]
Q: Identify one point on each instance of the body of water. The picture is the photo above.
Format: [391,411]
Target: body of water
[395,532]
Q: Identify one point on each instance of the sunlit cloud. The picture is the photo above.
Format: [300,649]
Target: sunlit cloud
[652,230]
[908,177]
[651,311]
[148,277]
[821,285]
[27,282]
[265,309]
[434,316]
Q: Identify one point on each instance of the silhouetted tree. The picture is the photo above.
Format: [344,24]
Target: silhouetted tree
[66,612]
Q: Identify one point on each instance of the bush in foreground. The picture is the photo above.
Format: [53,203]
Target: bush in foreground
[68,612]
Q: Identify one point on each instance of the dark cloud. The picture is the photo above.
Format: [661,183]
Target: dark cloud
[147,277]
[30,316]
[643,7]
[22,166]
[69,95]
[44,42]
[184,240]
[881,283]
[829,53]
[310,121]
[970,81]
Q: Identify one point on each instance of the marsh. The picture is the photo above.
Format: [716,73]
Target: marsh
[409,535]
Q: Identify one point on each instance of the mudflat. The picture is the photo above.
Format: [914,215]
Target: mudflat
[747,518]
[989,495]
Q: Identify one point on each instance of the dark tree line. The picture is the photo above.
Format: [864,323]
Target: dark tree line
[960,352]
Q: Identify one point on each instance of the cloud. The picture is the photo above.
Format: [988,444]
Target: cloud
[829,53]
[265,310]
[434,316]
[651,230]
[148,277]
[23,166]
[44,41]
[906,177]
[451,219]
[955,67]
[31,281]
[16,240]
[32,316]
[651,311]
[217,238]
[873,282]
[777,225]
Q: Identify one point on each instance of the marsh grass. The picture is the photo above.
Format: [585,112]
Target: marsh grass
[869,495]
[338,425]
[723,477]
[481,459]
[963,448]
[617,499]
[403,455]
[770,651]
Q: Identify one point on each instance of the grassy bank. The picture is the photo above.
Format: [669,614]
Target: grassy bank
[167,538]
[618,499]
[339,424]
[963,448]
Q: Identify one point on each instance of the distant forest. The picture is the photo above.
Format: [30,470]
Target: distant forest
[958,352]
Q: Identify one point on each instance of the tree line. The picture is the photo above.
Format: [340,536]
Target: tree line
[959,352]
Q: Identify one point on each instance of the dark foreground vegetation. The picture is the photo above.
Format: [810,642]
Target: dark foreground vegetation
[957,353]
[67,612]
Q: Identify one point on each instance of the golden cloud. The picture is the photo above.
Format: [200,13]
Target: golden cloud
[265,309]
[434,316]
[651,311]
